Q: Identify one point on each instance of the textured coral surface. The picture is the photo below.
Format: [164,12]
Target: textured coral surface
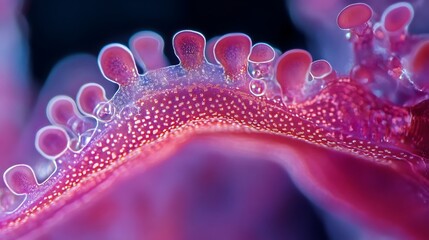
[238,140]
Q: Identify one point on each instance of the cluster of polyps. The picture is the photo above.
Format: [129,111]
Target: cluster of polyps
[388,61]
[235,87]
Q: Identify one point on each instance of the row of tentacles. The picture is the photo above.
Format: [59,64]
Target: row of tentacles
[293,77]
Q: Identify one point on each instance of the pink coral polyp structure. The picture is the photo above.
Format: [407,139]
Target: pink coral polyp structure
[355,143]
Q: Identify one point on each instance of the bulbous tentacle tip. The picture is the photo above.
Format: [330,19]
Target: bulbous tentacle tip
[418,65]
[231,52]
[262,53]
[51,141]
[354,15]
[148,49]
[62,112]
[20,179]
[90,97]
[117,64]
[320,69]
[61,109]
[189,47]
[261,61]
[397,17]
[292,73]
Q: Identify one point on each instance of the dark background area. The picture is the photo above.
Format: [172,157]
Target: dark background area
[60,28]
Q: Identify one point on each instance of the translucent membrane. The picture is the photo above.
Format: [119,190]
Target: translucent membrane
[232,51]
[341,136]
[354,15]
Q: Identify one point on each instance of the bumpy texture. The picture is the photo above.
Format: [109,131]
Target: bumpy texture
[355,142]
